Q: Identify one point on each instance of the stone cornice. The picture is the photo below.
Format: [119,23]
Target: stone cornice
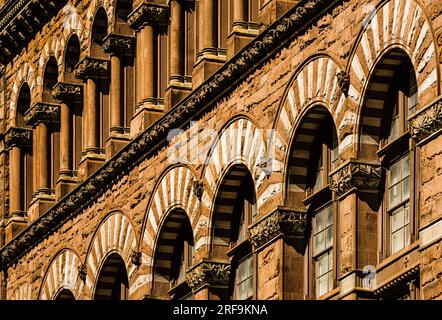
[20,137]
[208,273]
[42,112]
[20,20]
[281,222]
[427,121]
[258,51]
[116,44]
[92,68]
[67,91]
[407,276]
[355,175]
[148,13]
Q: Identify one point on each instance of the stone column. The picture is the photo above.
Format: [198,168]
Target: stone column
[39,117]
[145,20]
[17,140]
[356,185]
[117,46]
[177,88]
[68,94]
[243,31]
[210,57]
[279,239]
[90,70]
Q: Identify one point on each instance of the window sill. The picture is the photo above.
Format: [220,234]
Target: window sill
[398,255]
[329,295]
[318,199]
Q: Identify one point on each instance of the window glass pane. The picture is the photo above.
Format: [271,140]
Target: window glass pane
[319,221]
[397,219]
[395,195]
[407,214]
[329,237]
[319,243]
[329,212]
[244,279]
[406,188]
[406,166]
[397,241]
[395,173]
[394,128]
[321,286]
[322,265]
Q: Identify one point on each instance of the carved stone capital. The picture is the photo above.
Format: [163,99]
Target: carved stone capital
[119,45]
[208,273]
[355,175]
[281,222]
[136,258]
[42,112]
[198,189]
[67,91]
[343,81]
[427,121]
[82,272]
[148,13]
[19,137]
[92,68]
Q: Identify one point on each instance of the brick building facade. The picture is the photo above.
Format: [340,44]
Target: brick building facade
[221,149]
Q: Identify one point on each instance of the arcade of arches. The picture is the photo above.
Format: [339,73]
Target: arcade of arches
[212,149]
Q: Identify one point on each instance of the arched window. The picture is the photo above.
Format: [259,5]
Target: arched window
[174,255]
[49,81]
[113,283]
[235,210]
[314,156]
[23,104]
[72,58]
[399,224]
[99,32]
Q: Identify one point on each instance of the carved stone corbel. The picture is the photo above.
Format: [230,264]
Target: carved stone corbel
[355,175]
[120,45]
[198,189]
[281,222]
[18,137]
[82,272]
[343,82]
[148,13]
[92,68]
[427,121]
[42,112]
[208,273]
[136,258]
[67,91]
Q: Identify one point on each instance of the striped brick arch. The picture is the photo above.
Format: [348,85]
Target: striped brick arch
[23,292]
[241,142]
[302,145]
[399,24]
[26,73]
[62,274]
[114,235]
[173,193]
[229,191]
[316,82]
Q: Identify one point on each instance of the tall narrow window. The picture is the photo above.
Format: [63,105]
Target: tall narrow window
[398,159]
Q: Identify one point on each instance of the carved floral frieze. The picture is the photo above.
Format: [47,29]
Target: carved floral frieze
[148,13]
[42,112]
[214,274]
[427,121]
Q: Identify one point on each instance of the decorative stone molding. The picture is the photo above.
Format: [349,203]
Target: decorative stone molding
[343,81]
[92,68]
[19,20]
[355,175]
[281,222]
[136,258]
[82,272]
[198,189]
[67,91]
[406,277]
[116,44]
[239,67]
[42,112]
[148,13]
[18,137]
[208,273]
[427,121]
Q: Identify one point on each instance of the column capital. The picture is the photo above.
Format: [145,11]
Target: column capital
[120,45]
[92,68]
[148,13]
[19,137]
[282,221]
[42,112]
[208,273]
[67,91]
[426,121]
[355,175]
